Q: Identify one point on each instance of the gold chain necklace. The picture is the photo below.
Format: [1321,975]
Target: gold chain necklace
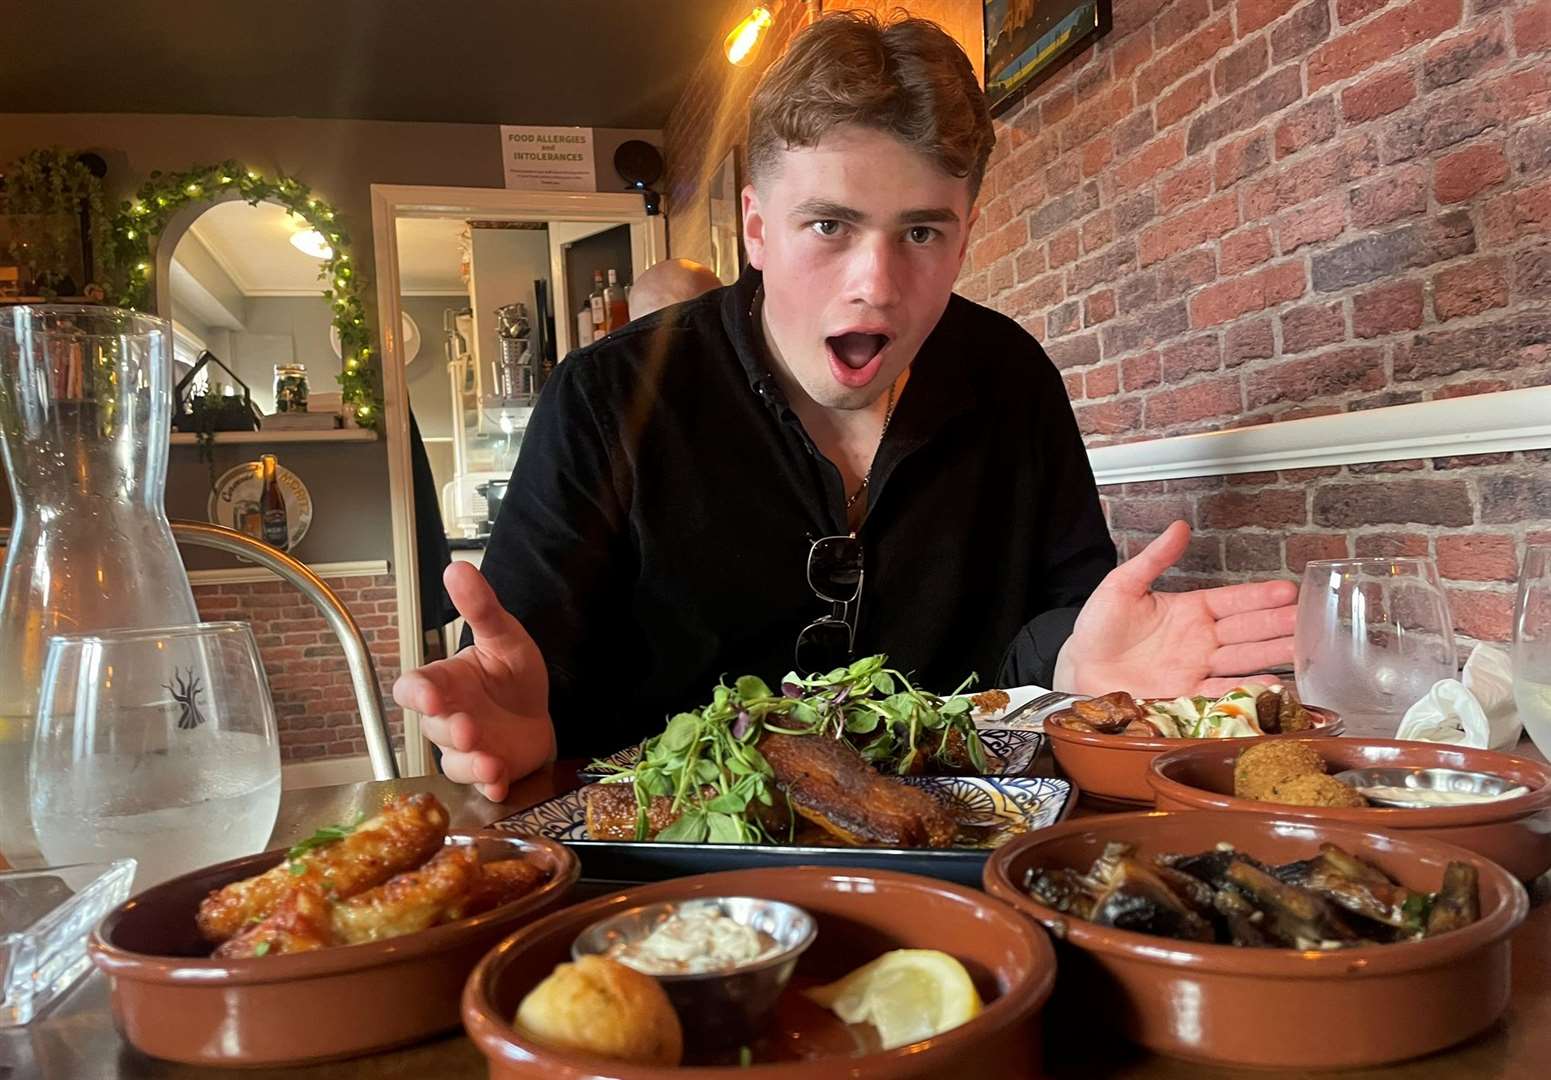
[888,413]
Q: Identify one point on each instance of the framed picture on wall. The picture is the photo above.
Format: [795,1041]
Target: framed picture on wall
[723,193]
[1026,37]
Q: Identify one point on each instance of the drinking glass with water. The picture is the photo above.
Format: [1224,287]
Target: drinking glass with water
[1372,637]
[1532,647]
[158,744]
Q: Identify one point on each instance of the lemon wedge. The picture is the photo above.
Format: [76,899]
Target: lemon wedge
[907,994]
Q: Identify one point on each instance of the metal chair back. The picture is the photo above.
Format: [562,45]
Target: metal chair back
[363,673]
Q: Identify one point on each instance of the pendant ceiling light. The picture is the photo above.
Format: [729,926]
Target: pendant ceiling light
[311,242]
[744,39]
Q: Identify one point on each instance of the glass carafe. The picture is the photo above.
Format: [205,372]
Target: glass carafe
[85,413]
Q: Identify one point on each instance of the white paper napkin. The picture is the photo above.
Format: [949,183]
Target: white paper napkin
[1476,710]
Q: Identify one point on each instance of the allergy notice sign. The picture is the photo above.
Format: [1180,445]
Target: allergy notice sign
[548,158]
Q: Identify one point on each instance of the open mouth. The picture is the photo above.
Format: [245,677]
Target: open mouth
[855,357]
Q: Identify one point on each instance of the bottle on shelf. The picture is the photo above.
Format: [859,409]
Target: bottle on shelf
[614,298]
[584,326]
[277,531]
[600,310]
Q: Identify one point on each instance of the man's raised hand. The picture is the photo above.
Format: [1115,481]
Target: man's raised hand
[487,707]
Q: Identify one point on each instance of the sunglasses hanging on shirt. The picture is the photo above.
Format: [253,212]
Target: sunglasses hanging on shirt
[835,576]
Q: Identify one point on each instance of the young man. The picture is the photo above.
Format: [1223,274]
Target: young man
[832,458]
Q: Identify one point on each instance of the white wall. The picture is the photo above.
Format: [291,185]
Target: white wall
[282,330]
[430,392]
[505,264]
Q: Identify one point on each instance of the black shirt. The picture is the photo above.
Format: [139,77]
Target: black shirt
[655,533]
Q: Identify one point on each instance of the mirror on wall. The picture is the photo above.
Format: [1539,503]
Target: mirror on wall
[244,285]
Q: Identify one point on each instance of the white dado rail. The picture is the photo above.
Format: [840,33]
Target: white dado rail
[1481,424]
[239,574]
[242,574]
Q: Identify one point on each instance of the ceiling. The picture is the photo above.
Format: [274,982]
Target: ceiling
[596,63]
[430,251]
[253,245]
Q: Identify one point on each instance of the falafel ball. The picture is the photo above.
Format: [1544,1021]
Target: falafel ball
[1261,767]
[1315,789]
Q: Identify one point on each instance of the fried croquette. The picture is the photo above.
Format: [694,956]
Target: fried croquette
[1314,789]
[1262,766]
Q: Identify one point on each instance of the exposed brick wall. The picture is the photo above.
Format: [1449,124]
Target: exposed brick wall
[1232,213]
[710,118]
[1229,213]
[1472,514]
[314,703]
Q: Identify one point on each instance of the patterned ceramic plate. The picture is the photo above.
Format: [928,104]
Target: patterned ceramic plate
[1008,753]
[990,810]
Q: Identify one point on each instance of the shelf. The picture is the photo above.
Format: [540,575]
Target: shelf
[189,438]
[12,300]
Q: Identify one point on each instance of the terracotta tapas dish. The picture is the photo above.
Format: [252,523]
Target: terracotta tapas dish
[1105,745]
[246,963]
[560,999]
[1511,825]
[1268,940]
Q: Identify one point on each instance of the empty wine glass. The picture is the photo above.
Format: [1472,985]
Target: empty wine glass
[1372,637]
[158,744]
[1532,647]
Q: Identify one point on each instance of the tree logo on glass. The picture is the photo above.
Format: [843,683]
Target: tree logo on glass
[186,694]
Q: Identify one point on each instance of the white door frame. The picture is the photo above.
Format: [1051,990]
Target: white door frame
[389,203]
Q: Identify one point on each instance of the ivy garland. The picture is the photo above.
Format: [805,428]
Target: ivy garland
[144,217]
[40,199]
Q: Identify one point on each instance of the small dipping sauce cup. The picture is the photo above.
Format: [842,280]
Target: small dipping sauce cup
[729,1005]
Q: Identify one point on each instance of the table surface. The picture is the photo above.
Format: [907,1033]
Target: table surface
[76,1039]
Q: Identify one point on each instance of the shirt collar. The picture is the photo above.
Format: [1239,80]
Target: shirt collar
[747,339]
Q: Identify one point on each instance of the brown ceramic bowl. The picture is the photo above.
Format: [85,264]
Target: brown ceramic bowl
[1113,768]
[1514,833]
[860,914]
[171,1000]
[1273,1007]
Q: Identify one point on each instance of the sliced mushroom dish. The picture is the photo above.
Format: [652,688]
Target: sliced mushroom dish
[1331,901]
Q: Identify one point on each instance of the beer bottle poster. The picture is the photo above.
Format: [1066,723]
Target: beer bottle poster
[242,487]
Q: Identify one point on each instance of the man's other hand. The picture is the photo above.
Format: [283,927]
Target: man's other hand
[1160,644]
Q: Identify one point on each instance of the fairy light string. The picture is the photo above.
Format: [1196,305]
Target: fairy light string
[139,223]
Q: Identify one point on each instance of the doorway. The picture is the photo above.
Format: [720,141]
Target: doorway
[499,321]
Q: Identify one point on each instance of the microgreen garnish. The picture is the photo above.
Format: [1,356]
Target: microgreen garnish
[709,761]
[262,949]
[1415,909]
[326,835]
